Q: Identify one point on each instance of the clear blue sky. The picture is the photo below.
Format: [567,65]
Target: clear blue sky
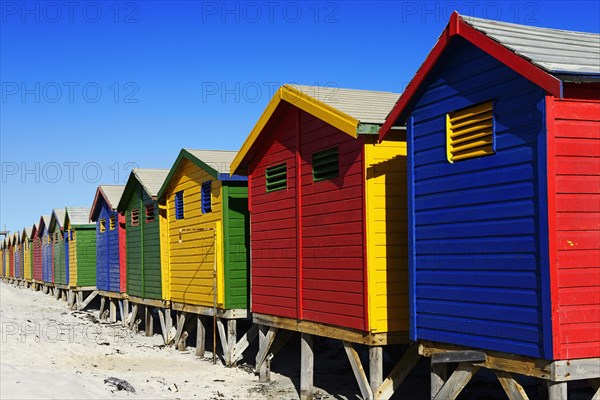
[92,89]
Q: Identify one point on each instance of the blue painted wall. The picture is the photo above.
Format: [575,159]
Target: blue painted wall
[47,273]
[107,251]
[474,225]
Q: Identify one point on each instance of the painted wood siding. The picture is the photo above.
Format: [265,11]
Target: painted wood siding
[108,264]
[577,226]
[59,260]
[273,224]
[86,257]
[192,251]
[332,247]
[475,241]
[387,233]
[73,260]
[18,263]
[27,259]
[236,234]
[143,249]
[37,259]
[308,240]
[47,259]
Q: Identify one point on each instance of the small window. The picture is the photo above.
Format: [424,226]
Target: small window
[149,213]
[112,223]
[470,132]
[276,178]
[205,197]
[135,217]
[326,164]
[103,225]
[179,205]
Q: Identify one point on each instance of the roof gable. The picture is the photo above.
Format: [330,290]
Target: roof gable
[150,181]
[56,219]
[215,162]
[487,36]
[108,195]
[78,217]
[351,111]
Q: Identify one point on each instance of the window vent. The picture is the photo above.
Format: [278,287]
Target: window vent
[276,177]
[205,197]
[326,164]
[135,217]
[149,213]
[179,205]
[470,132]
[113,223]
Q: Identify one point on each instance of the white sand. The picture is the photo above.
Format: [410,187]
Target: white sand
[47,351]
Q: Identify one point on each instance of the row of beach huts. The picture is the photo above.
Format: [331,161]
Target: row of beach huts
[460,219]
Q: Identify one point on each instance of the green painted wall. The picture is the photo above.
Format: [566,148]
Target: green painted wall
[143,248]
[86,256]
[59,262]
[236,223]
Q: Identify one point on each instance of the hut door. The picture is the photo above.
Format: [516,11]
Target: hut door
[237,254]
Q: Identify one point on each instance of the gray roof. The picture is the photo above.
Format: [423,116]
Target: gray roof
[79,215]
[151,179]
[28,231]
[220,160]
[59,214]
[366,106]
[113,193]
[555,51]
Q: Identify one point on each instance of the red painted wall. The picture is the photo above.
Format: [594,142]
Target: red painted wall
[575,236]
[12,261]
[309,238]
[37,258]
[122,253]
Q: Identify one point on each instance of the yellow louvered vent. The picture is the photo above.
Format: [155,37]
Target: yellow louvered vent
[470,132]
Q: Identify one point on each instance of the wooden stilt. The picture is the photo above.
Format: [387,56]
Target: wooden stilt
[125,312]
[359,372]
[112,311]
[223,337]
[457,381]
[87,301]
[163,326]
[439,376]
[511,387]
[134,311]
[265,344]
[180,324]
[557,390]
[231,341]
[408,361]
[306,366]
[102,307]
[148,321]
[121,311]
[242,344]
[200,337]
[375,367]
[264,374]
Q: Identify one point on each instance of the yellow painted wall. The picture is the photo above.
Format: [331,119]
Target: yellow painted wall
[73,260]
[27,259]
[189,250]
[387,233]
[164,248]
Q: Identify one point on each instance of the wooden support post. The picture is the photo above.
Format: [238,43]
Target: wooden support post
[457,381]
[359,372]
[134,311]
[121,311]
[511,387]
[163,326]
[231,341]
[264,373]
[79,299]
[557,390]
[71,299]
[87,301]
[223,337]
[307,361]
[244,342]
[595,383]
[408,361]
[168,319]
[124,311]
[113,311]
[148,321]
[64,295]
[200,336]
[182,345]
[136,325]
[102,306]
[180,324]
[375,367]
[264,345]
[56,293]
[439,376]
